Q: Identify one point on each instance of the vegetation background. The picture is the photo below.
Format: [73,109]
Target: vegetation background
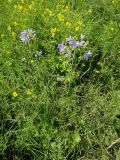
[53,106]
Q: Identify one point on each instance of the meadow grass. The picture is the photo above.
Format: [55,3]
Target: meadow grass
[58,101]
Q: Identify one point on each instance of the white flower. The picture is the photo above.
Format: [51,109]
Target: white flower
[82,36]
[68,53]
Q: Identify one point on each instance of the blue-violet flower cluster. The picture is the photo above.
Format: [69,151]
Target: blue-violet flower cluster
[74,44]
[26,35]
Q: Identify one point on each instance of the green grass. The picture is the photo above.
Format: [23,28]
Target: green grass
[75,118]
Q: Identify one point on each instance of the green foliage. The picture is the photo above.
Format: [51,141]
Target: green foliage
[55,106]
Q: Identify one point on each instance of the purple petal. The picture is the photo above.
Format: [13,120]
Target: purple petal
[26,35]
[87,55]
[61,47]
[69,39]
[73,44]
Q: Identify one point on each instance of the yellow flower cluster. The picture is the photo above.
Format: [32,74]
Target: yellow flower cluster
[22,1]
[68,24]
[49,12]
[15,23]
[53,32]
[29,92]
[15,94]
[66,9]
[13,35]
[60,17]
[20,7]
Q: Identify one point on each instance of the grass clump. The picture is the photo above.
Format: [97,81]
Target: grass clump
[59,80]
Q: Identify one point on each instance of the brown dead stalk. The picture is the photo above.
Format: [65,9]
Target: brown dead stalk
[113,143]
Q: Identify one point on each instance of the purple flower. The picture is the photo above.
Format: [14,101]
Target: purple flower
[73,44]
[26,35]
[87,55]
[61,47]
[69,39]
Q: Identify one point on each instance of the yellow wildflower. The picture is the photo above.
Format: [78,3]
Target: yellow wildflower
[68,24]
[66,9]
[53,32]
[79,22]
[15,23]
[60,17]
[20,7]
[14,94]
[29,92]
[50,13]
[22,1]
[77,28]
[13,35]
